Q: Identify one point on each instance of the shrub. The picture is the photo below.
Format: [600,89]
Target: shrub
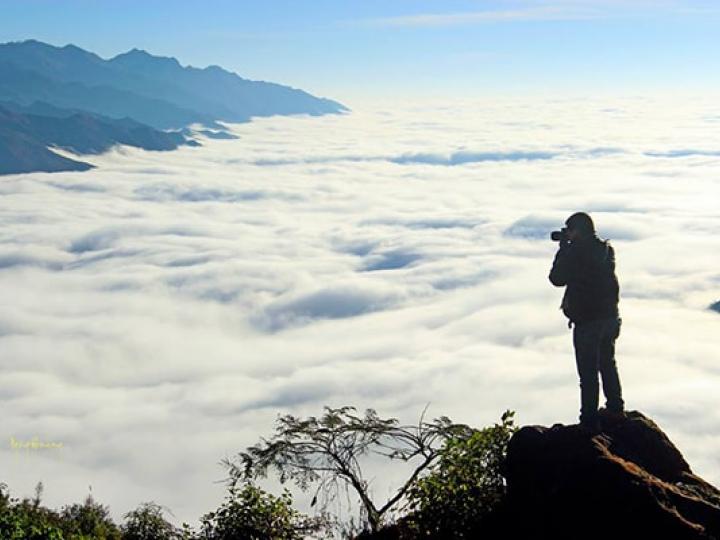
[88,521]
[464,485]
[146,522]
[26,519]
[251,513]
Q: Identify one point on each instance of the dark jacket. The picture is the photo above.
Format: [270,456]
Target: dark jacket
[587,268]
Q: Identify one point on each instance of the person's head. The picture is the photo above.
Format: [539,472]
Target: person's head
[579,225]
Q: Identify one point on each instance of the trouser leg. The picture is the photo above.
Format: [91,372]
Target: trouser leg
[608,367]
[585,340]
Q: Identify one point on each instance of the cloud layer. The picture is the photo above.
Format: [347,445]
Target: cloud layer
[163,308]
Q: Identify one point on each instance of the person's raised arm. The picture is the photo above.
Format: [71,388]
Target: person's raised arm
[562,266]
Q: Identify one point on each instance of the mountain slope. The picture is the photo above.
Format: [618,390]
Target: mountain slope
[232,97]
[73,99]
[25,138]
[25,86]
[122,85]
[22,154]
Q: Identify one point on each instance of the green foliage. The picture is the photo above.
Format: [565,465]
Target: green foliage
[251,513]
[464,485]
[455,484]
[146,522]
[26,519]
[327,451]
[88,521]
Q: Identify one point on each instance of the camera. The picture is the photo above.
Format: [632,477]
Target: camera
[559,236]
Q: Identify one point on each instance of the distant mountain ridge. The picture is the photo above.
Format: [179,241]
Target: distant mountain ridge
[71,98]
[151,89]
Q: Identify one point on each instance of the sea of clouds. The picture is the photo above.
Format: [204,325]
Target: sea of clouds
[162,309]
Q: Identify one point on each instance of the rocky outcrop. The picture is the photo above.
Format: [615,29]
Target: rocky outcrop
[628,481]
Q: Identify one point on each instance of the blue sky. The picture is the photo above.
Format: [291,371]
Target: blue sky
[388,48]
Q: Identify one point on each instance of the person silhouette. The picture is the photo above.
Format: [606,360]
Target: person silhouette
[585,265]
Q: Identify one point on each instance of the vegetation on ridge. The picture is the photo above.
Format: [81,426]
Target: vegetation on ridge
[455,481]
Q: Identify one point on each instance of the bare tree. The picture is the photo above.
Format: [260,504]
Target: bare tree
[326,452]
